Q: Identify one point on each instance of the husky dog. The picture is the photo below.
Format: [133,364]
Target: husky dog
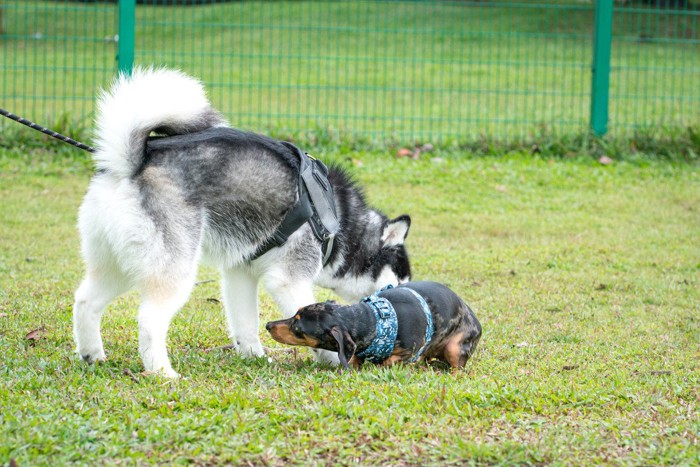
[203,191]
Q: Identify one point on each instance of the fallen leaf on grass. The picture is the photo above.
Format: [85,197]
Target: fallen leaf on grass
[403,152]
[524,344]
[605,160]
[602,286]
[3,315]
[127,372]
[569,367]
[35,335]
[414,153]
[501,188]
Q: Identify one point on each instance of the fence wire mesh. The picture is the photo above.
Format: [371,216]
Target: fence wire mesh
[407,70]
[54,56]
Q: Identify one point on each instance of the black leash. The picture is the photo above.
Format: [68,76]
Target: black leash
[46,131]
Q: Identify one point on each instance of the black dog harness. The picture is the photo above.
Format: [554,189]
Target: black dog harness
[316,206]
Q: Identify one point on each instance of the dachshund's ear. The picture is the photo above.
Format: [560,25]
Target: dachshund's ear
[346,346]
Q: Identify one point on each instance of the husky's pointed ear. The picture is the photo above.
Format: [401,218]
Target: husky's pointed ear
[395,230]
[346,346]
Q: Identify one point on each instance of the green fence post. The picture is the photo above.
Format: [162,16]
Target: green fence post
[600,84]
[125,50]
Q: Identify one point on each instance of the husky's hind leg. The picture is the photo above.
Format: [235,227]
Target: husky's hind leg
[161,300]
[240,292]
[91,299]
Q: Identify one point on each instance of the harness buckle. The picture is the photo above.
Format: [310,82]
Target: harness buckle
[328,246]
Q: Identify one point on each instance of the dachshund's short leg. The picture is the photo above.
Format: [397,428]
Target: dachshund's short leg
[460,347]
[391,361]
[453,350]
[356,362]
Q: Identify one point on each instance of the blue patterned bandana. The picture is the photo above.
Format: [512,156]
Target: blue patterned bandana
[382,345]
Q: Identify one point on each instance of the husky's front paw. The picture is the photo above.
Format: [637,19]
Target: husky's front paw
[250,349]
[326,356]
[168,373]
[92,356]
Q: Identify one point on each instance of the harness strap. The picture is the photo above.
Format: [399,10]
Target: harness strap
[324,220]
[382,346]
[316,206]
[295,218]
[429,329]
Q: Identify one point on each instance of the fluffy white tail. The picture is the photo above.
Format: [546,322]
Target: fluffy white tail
[167,101]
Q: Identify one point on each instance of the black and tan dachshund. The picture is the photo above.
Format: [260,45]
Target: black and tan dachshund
[422,320]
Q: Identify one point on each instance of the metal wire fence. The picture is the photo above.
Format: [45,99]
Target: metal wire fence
[54,56]
[406,70]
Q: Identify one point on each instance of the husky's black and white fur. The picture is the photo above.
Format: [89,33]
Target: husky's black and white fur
[156,207]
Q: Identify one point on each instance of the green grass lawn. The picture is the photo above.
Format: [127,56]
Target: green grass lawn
[586,278]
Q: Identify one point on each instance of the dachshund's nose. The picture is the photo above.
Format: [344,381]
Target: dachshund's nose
[268,326]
